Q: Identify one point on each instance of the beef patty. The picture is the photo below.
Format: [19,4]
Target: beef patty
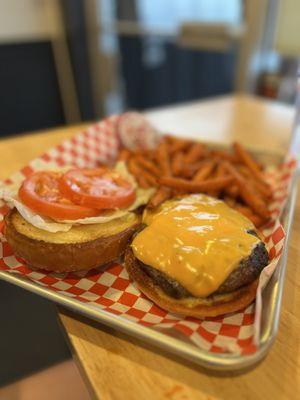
[246,272]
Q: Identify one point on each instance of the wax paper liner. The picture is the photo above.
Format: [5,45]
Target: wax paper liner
[111,290]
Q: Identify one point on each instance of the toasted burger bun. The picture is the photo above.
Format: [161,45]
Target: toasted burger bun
[211,306]
[81,248]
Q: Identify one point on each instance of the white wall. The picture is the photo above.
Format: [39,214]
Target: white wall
[25,20]
[287,38]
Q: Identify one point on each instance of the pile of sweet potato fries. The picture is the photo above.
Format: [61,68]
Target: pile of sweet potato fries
[178,166]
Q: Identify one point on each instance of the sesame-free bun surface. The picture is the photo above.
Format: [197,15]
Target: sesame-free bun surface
[83,247]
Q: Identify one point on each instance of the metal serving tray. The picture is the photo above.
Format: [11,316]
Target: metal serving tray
[270,313]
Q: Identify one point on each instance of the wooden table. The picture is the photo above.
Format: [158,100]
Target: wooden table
[116,366]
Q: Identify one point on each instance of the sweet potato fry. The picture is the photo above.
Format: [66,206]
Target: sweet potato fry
[141,174]
[195,153]
[177,163]
[148,165]
[244,210]
[264,189]
[224,155]
[247,212]
[213,193]
[163,159]
[151,180]
[124,155]
[247,160]
[162,194]
[169,139]
[194,187]
[257,221]
[205,171]
[248,195]
[134,168]
[219,170]
[143,182]
[232,191]
[179,145]
[218,173]
[188,171]
[229,201]
[150,154]
[145,153]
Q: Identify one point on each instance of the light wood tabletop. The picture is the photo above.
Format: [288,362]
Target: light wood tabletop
[116,366]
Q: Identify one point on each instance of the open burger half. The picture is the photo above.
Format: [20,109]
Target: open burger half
[196,256]
[76,219]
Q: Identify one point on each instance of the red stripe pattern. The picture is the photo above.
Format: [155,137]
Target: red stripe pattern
[111,290]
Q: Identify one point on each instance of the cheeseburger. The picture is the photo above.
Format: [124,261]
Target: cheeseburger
[196,256]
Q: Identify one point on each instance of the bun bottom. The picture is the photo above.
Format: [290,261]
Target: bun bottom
[67,257]
[211,306]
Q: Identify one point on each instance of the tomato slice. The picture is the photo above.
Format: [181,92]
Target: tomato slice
[97,188]
[40,192]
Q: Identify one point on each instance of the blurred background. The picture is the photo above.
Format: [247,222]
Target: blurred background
[66,61]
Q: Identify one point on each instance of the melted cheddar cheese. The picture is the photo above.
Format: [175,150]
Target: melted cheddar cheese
[197,240]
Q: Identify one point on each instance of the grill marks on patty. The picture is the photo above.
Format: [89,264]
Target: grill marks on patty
[247,271]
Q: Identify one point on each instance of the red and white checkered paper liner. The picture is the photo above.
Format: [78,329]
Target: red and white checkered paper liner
[111,290]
